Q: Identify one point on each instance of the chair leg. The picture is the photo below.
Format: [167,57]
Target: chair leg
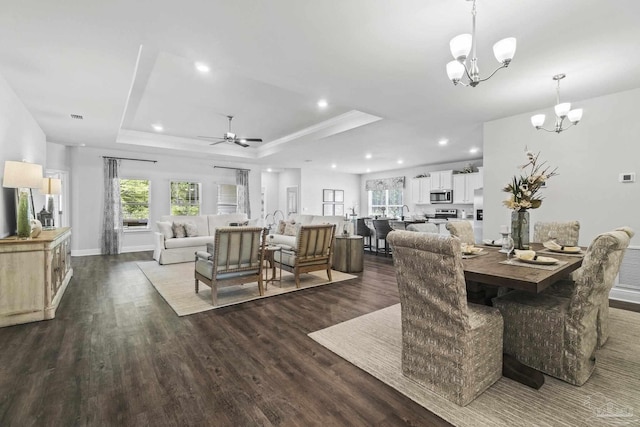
[260,287]
[197,283]
[296,274]
[214,293]
[329,274]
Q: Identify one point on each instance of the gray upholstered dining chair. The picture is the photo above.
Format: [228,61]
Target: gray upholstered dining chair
[425,227]
[449,346]
[462,230]
[363,230]
[557,335]
[565,288]
[564,233]
[382,229]
[235,258]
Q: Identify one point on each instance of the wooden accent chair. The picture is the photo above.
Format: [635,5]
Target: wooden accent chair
[566,233]
[449,346]
[462,230]
[557,335]
[314,245]
[236,258]
[425,227]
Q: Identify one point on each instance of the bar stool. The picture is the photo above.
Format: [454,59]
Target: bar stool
[382,228]
[365,232]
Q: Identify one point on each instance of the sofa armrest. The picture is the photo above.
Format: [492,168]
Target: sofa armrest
[205,256]
[159,240]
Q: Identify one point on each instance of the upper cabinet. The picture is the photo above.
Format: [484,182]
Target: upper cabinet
[463,186]
[421,191]
[442,180]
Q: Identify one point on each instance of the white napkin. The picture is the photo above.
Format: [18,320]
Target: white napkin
[528,255]
[556,247]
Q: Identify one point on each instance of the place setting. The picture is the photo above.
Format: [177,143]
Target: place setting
[471,251]
[554,248]
[530,258]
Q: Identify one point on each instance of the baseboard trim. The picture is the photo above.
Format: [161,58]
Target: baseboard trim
[627,295]
[126,249]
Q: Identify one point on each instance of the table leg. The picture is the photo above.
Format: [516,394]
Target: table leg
[512,368]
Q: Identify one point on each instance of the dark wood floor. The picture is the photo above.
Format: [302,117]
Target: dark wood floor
[116,354]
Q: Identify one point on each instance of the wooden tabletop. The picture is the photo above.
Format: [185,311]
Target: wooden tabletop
[486,269]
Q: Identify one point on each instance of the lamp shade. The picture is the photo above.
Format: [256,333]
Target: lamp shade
[22,175]
[455,70]
[461,46]
[505,49]
[537,120]
[51,186]
[562,109]
[575,115]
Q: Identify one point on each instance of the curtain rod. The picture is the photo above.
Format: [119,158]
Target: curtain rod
[127,158]
[226,167]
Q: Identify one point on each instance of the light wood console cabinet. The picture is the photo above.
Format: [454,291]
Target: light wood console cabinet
[34,274]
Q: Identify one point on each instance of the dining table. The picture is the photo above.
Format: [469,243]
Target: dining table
[490,270]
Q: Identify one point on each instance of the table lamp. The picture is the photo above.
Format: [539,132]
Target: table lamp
[22,176]
[50,187]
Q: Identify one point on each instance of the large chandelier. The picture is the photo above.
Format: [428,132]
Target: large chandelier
[463,44]
[563,111]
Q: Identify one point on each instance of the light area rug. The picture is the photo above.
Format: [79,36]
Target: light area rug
[176,284]
[611,397]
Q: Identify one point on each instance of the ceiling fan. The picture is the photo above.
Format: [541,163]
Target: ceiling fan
[231,138]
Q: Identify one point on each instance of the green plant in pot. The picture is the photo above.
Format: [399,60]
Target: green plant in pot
[524,196]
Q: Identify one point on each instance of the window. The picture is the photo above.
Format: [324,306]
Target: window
[185,198]
[227,199]
[134,194]
[385,202]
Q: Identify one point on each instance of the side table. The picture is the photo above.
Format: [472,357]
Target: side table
[348,254]
[269,256]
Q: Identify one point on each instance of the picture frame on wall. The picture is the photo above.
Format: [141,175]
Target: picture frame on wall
[328,196]
[327,209]
[338,196]
[338,209]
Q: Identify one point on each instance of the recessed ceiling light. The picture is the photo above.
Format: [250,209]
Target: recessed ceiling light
[443,142]
[474,150]
[333,165]
[268,169]
[157,128]
[323,103]
[400,161]
[203,68]
[368,170]
[367,156]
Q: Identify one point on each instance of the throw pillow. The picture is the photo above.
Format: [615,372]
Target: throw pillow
[290,229]
[238,224]
[190,229]
[281,226]
[178,229]
[164,228]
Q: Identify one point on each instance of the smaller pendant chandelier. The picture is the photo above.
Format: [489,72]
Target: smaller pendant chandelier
[563,111]
[463,44]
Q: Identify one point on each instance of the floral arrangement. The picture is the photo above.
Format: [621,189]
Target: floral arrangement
[523,189]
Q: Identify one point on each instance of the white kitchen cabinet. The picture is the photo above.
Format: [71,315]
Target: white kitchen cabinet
[421,191]
[442,180]
[463,186]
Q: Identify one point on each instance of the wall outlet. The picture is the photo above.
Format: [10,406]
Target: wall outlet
[627,177]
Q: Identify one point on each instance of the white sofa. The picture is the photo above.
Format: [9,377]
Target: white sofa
[300,219]
[182,249]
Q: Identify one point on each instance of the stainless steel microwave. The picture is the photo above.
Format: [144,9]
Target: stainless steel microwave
[441,196]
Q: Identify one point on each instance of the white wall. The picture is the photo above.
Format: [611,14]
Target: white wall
[270,182]
[589,158]
[313,183]
[409,174]
[87,191]
[20,139]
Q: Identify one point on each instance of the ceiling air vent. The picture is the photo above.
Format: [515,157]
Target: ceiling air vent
[77,116]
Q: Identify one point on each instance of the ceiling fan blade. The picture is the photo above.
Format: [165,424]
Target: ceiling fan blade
[217,142]
[209,137]
[250,139]
[235,141]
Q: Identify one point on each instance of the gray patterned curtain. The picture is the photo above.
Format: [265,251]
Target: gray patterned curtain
[242,183]
[112,214]
[396,183]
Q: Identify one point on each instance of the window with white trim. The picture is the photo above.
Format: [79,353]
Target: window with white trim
[185,198]
[227,198]
[386,203]
[134,197]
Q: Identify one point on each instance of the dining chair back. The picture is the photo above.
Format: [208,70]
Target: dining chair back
[462,230]
[425,227]
[364,231]
[382,229]
[449,346]
[564,233]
